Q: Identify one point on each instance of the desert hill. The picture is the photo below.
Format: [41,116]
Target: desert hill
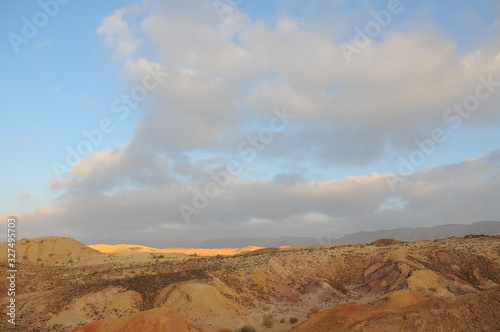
[124,248]
[49,250]
[471,312]
[355,287]
[160,319]
[64,251]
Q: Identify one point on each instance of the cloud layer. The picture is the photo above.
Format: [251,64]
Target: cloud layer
[226,79]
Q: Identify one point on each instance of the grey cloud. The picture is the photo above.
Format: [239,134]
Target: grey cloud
[395,91]
[271,206]
[122,166]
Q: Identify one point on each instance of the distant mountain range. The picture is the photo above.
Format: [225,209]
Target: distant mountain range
[405,234]
[424,233]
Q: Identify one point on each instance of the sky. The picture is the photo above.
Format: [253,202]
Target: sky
[161,120]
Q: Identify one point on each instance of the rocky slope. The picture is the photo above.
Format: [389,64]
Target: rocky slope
[160,319]
[450,284]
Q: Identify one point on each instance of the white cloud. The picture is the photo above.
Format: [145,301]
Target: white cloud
[226,77]
[119,34]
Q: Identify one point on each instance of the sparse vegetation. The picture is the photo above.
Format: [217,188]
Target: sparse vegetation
[246,328]
[385,242]
[433,289]
[313,310]
[293,320]
[268,320]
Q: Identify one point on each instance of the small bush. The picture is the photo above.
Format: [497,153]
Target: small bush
[246,328]
[385,242]
[293,320]
[282,320]
[433,289]
[268,320]
[313,311]
[160,256]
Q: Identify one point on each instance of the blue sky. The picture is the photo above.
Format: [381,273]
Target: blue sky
[354,116]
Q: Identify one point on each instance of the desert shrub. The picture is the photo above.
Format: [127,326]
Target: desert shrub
[313,310]
[39,259]
[246,328]
[160,256]
[268,320]
[293,320]
[433,289]
[262,251]
[386,242]
[282,320]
